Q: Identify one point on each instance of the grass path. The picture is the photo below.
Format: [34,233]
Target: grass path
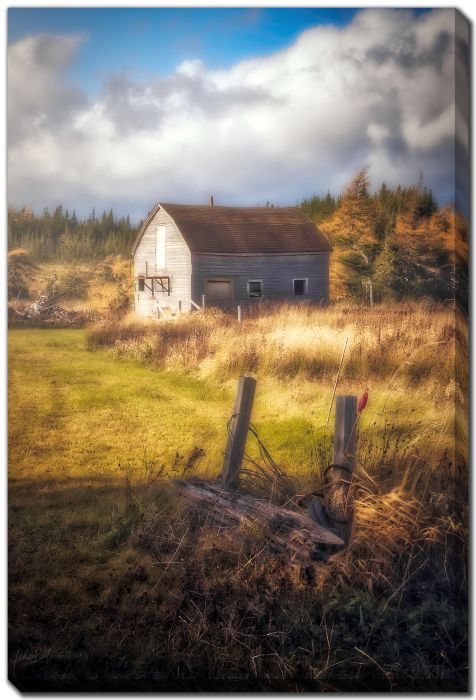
[77,414]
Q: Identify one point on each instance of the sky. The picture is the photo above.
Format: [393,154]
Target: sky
[125,107]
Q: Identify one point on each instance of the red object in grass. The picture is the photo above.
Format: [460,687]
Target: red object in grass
[363,400]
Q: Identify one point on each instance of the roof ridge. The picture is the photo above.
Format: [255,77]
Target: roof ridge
[255,230]
[229,206]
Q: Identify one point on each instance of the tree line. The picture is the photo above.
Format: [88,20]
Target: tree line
[59,236]
[395,243]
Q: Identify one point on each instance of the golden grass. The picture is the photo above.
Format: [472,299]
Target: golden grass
[396,343]
[405,355]
[111,573]
[100,289]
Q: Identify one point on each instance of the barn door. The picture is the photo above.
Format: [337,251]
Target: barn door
[218,293]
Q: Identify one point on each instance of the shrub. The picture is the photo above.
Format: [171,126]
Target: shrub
[74,283]
[121,301]
[21,270]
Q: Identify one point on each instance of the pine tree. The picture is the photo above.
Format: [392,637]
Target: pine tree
[353,231]
[61,238]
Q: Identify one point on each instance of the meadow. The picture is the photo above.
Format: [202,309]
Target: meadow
[113,583]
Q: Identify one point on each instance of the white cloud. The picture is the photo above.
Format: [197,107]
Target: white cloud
[379,91]
[191,68]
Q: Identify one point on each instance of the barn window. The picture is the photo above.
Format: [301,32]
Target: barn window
[141,284]
[160,247]
[300,287]
[255,288]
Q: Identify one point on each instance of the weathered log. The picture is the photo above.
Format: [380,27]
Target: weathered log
[286,531]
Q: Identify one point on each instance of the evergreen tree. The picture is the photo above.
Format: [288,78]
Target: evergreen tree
[354,232]
[64,238]
[391,242]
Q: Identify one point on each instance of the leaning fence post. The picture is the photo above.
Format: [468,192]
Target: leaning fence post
[345,458]
[238,431]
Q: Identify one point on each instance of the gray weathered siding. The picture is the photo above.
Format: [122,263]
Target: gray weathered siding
[276,271]
[189,272]
[178,268]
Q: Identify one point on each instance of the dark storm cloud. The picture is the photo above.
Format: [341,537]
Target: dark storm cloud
[40,98]
[409,55]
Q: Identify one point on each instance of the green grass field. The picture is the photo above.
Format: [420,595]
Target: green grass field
[110,583]
[83,415]
[76,414]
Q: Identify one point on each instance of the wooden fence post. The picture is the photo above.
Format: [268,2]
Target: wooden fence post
[339,505]
[180,307]
[238,431]
[239,313]
[203,301]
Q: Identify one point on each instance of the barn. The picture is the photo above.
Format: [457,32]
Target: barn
[189,255]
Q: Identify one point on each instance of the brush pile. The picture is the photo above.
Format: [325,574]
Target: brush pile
[45,309]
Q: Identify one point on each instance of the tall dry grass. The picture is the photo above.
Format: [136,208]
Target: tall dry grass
[290,341]
[386,613]
[412,474]
[186,600]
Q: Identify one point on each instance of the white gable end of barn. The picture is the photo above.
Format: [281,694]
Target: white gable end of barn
[148,257]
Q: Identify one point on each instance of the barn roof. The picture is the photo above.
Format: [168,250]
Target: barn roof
[216,229]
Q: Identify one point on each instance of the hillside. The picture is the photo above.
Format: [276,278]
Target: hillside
[389,245]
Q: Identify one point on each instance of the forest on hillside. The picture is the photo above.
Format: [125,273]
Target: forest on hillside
[392,244]
[63,237]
